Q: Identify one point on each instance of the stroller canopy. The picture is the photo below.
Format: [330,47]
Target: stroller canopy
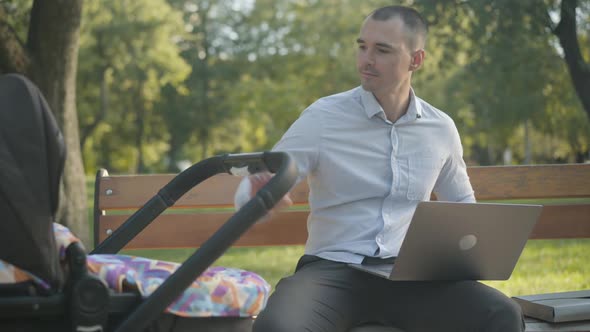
[32,154]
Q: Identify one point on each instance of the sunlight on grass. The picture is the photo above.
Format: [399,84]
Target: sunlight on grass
[545,265]
[549,266]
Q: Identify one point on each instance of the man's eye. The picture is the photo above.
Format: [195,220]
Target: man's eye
[382,50]
[362,47]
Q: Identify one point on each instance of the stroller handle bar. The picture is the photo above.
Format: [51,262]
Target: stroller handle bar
[236,164]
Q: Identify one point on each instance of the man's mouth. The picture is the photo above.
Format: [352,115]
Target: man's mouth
[366,74]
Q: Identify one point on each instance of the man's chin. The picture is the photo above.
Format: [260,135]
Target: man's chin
[367,87]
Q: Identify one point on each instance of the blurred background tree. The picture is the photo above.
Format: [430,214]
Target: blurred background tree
[129,54]
[516,61]
[237,73]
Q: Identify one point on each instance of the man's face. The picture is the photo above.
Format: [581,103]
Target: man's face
[384,61]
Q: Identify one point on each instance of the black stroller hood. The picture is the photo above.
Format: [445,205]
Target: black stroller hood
[32,154]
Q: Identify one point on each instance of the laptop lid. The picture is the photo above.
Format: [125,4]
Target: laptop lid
[462,241]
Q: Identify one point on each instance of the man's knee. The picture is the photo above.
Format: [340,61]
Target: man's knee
[269,321]
[488,309]
[505,315]
[264,324]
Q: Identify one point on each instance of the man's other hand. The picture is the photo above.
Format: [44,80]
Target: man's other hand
[250,186]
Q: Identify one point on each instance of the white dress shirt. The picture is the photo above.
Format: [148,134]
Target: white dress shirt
[366,174]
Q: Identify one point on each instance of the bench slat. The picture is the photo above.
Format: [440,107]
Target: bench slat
[283,229]
[537,181]
[490,182]
[557,221]
[563,221]
[132,191]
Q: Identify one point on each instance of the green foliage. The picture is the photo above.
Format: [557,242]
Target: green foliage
[127,56]
[165,81]
[18,13]
[507,70]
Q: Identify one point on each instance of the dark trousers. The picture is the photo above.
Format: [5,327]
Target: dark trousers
[331,297]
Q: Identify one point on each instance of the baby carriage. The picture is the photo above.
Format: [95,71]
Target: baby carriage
[43,288]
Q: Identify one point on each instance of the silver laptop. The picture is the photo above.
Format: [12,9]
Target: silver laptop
[461,241]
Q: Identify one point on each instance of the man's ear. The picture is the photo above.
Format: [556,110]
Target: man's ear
[417,59]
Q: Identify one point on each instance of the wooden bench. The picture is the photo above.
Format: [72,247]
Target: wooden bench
[203,209]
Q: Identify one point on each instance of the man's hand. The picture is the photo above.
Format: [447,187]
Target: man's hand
[250,186]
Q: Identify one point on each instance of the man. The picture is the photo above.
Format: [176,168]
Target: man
[370,155]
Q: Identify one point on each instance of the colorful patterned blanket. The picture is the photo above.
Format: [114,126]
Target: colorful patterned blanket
[218,292]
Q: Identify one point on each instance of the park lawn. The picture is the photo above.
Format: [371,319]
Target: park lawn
[545,265]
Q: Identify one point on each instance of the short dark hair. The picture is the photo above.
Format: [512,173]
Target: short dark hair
[412,19]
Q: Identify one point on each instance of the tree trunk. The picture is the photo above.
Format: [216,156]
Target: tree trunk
[53,45]
[528,154]
[568,38]
[173,152]
[140,127]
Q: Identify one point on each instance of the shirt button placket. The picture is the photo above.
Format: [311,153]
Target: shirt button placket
[394,152]
[386,211]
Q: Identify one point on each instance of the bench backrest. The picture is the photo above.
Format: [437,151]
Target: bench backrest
[202,210]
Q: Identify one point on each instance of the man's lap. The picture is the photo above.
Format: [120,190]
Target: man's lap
[325,295]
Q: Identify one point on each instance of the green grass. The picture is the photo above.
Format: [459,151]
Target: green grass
[549,266]
[545,265]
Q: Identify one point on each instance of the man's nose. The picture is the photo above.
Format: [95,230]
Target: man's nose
[370,58]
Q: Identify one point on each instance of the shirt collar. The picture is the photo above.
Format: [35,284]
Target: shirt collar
[370,103]
[372,106]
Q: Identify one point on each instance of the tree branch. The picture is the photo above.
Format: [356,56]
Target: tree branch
[13,54]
